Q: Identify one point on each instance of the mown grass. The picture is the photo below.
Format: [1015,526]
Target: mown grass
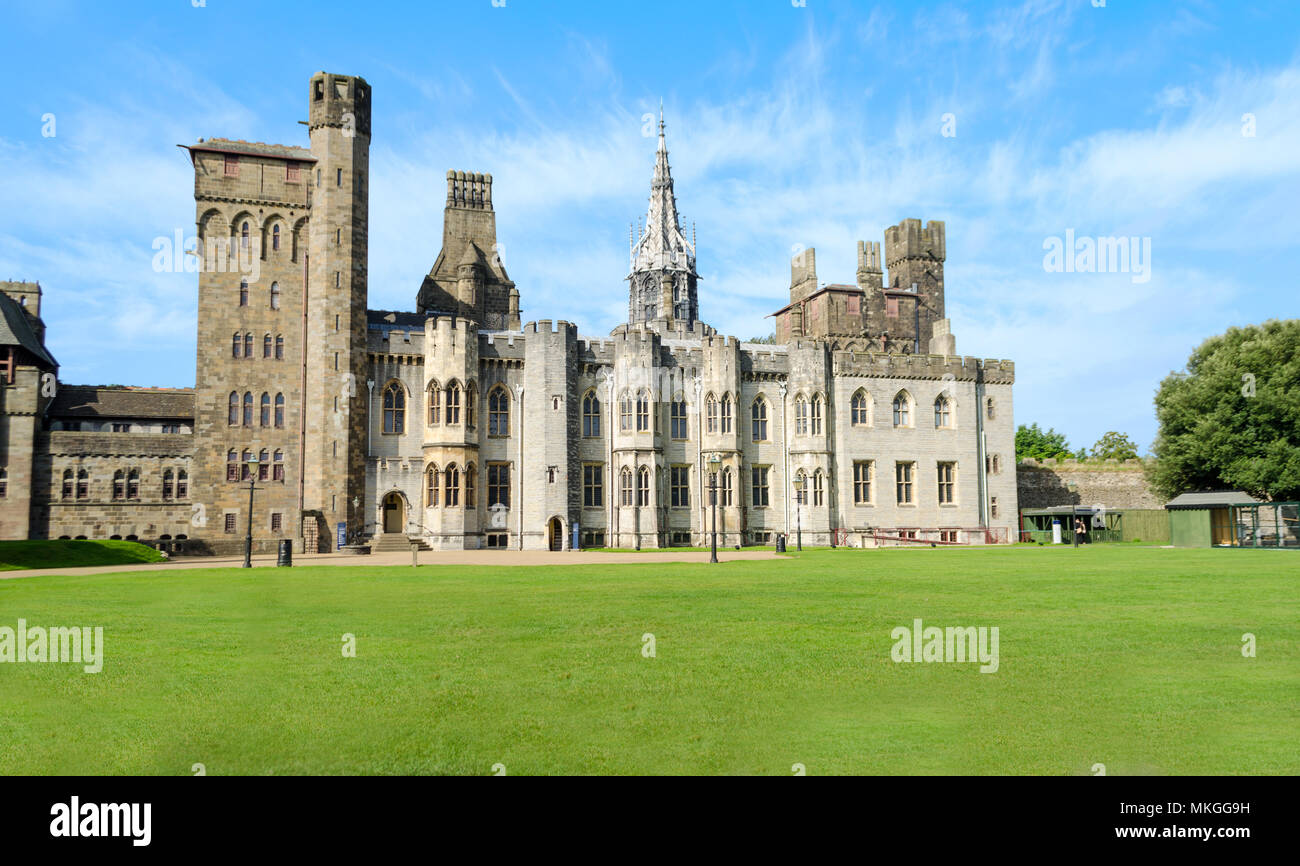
[64,553]
[1130,657]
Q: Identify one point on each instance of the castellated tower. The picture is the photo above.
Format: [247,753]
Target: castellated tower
[336,366]
[549,472]
[914,257]
[469,278]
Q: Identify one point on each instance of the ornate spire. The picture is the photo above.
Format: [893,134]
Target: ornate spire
[663,245]
[663,279]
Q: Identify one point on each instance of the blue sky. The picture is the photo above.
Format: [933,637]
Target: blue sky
[817,126]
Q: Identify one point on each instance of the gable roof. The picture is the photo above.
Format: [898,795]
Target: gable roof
[251,148]
[16,330]
[1210,499]
[96,401]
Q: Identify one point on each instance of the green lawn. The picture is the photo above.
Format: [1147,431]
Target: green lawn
[62,553]
[1124,656]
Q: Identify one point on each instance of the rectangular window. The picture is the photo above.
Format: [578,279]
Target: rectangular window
[677,420]
[862,472]
[949,536]
[291,172]
[679,479]
[855,305]
[498,484]
[891,307]
[993,507]
[339,178]
[497,540]
[903,482]
[232,165]
[230,524]
[947,483]
[593,485]
[277,521]
[759,493]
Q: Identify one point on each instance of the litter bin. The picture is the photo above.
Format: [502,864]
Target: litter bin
[286,552]
[780,544]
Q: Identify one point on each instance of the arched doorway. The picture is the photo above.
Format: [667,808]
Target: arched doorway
[555,534]
[394,513]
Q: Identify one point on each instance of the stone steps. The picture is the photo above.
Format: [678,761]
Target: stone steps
[396,542]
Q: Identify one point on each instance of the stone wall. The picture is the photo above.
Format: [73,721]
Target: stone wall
[1048,483]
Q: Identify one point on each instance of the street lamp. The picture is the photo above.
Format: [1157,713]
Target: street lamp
[799,484]
[714,463]
[248,538]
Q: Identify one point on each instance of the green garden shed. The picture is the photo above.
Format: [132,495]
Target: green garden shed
[1207,519]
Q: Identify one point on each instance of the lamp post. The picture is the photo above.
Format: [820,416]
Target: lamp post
[248,538]
[714,463]
[799,484]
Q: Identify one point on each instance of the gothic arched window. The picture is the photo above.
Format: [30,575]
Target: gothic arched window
[435,404]
[451,486]
[859,413]
[431,487]
[453,403]
[590,414]
[642,412]
[758,417]
[643,486]
[942,412]
[625,486]
[394,408]
[498,412]
[902,410]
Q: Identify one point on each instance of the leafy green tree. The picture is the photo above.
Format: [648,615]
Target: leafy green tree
[1033,442]
[1115,446]
[1232,418]
[769,339]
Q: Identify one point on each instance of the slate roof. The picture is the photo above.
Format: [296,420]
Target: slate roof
[97,401]
[16,330]
[253,148]
[1210,499]
[387,319]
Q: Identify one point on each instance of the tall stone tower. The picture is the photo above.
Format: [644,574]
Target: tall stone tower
[914,257]
[335,368]
[662,282]
[468,279]
[28,376]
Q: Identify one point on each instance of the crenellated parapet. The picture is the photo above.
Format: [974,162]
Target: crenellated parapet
[895,366]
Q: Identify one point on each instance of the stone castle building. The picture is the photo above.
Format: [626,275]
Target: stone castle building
[461,427]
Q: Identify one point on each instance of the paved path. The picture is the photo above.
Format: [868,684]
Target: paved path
[438,557]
